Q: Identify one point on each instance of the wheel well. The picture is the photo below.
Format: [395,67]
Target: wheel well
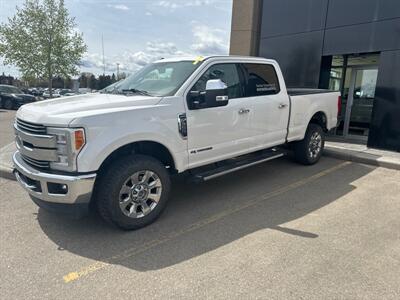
[149,148]
[320,119]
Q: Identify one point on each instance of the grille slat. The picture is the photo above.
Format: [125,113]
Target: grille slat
[36,129]
[31,127]
[37,163]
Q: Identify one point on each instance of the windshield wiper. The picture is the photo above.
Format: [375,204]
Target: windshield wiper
[136,91]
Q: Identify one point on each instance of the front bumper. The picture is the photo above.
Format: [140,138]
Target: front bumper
[46,187]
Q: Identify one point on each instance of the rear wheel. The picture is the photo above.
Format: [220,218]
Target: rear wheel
[309,150]
[133,191]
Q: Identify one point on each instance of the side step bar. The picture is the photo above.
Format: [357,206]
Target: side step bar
[237,164]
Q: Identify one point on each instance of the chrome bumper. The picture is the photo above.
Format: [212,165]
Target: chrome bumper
[44,186]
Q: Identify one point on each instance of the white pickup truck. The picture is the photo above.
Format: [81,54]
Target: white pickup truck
[116,150]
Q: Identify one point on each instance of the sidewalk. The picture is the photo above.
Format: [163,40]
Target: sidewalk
[363,154]
[345,151]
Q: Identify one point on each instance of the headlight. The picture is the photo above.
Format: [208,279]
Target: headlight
[70,142]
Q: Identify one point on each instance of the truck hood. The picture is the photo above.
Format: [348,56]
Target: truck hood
[61,111]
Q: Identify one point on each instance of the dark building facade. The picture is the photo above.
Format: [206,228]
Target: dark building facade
[348,45]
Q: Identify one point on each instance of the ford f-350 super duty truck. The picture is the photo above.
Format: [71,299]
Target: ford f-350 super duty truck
[116,150]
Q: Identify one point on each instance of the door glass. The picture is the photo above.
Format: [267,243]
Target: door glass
[363,101]
[355,74]
[345,93]
[227,73]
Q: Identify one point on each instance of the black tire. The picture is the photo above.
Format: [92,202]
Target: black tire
[8,104]
[108,187]
[305,151]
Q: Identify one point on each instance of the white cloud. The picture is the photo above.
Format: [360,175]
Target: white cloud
[130,61]
[118,6]
[208,40]
[148,13]
[174,4]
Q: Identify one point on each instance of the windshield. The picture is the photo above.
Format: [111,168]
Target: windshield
[156,79]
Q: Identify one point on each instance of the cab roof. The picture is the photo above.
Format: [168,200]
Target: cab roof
[202,58]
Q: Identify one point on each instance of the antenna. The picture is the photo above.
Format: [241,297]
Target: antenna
[102,46]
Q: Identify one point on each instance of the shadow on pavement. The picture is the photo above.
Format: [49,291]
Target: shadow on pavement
[194,207]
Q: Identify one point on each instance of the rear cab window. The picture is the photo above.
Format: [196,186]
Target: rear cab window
[260,80]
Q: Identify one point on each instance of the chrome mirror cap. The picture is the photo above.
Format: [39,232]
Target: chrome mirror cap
[215,84]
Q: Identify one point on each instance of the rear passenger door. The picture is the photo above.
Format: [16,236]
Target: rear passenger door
[269,104]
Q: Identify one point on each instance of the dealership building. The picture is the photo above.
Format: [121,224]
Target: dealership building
[351,46]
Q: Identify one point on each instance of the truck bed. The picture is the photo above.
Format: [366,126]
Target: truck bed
[306,91]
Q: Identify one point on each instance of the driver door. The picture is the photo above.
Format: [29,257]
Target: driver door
[217,133]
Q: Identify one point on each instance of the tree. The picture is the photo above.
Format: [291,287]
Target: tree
[41,40]
[92,82]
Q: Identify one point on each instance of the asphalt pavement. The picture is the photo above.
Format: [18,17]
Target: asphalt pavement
[278,230]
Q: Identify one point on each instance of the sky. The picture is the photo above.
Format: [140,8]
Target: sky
[136,32]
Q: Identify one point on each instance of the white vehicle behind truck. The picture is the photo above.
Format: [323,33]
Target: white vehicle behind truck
[116,150]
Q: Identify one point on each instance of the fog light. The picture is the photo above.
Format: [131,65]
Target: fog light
[57,188]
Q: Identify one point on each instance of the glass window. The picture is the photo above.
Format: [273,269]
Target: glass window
[336,75]
[228,73]
[337,60]
[363,59]
[158,79]
[261,79]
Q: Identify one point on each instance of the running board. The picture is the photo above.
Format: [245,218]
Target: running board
[237,164]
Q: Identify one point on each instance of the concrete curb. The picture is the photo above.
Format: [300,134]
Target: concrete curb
[6,164]
[362,157]
[7,173]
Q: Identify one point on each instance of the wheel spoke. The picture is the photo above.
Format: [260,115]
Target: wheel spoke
[135,178]
[125,190]
[146,176]
[155,184]
[155,197]
[123,204]
[133,210]
[145,208]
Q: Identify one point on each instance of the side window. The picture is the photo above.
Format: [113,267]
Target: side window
[228,73]
[261,79]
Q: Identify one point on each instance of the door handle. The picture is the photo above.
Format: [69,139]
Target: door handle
[243,111]
[282,105]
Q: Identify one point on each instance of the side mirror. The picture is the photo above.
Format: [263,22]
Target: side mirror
[216,93]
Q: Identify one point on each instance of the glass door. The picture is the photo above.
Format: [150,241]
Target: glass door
[360,101]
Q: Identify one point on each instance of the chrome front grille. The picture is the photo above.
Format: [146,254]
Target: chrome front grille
[36,147]
[30,127]
[41,164]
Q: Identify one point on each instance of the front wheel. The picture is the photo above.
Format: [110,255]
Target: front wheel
[309,150]
[133,192]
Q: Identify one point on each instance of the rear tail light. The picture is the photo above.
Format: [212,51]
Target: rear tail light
[339,105]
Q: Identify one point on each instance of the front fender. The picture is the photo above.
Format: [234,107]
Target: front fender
[95,153]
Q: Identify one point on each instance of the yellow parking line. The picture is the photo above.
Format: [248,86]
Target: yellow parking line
[137,250]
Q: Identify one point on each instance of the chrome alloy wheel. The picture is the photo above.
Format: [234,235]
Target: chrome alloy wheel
[140,193]
[315,145]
